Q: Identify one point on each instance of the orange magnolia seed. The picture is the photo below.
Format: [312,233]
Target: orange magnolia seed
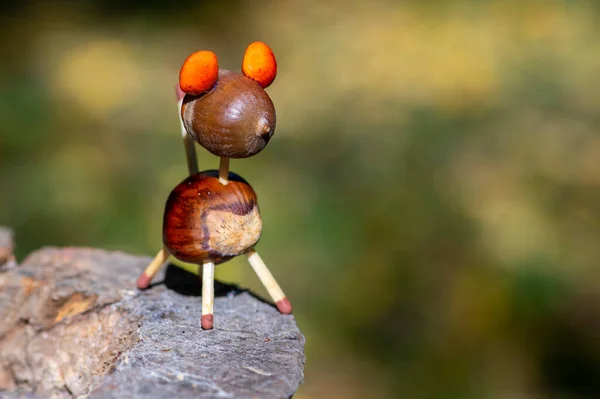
[199,73]
[259,64]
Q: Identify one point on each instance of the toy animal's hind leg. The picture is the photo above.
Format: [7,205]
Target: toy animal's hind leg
[267,279]
[208,295]
[190,155]
[146,277]
[188,141]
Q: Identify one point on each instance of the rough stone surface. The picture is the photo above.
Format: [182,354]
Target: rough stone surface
[252,352]
[72,325]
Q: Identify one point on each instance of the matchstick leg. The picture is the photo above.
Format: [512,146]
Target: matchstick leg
[146,277]
[208,295]
[224,170]
[188,141]
[267,279]
[190,154]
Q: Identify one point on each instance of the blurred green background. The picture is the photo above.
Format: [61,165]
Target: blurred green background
[431,197]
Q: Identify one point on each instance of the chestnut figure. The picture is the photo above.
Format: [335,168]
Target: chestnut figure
[235,119]
[206,221]
[213,216]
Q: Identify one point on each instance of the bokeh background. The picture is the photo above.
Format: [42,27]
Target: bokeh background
[431,197]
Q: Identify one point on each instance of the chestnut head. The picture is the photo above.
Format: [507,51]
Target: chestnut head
[206,221]
[229,114]
[236,119]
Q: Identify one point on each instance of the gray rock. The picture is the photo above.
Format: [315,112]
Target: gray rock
[72,324]
[252,352]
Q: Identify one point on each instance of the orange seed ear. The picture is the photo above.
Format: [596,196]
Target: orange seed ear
[259,64]
[199,73]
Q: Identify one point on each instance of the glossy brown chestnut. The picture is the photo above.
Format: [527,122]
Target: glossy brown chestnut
[236,119]
[206,221]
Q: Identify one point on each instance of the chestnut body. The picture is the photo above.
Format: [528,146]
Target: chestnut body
[206,221]
[236,119]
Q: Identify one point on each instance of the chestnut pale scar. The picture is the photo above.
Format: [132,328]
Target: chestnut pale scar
[233,234]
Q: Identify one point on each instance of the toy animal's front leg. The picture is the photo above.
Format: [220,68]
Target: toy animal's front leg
[208,295]
[266,278]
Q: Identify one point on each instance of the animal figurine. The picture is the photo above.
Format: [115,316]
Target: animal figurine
[213,216]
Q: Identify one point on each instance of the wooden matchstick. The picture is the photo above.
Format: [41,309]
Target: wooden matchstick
[188,141]
[208,295]
[146,277]
[267,279]
[224,170]
[192,163]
